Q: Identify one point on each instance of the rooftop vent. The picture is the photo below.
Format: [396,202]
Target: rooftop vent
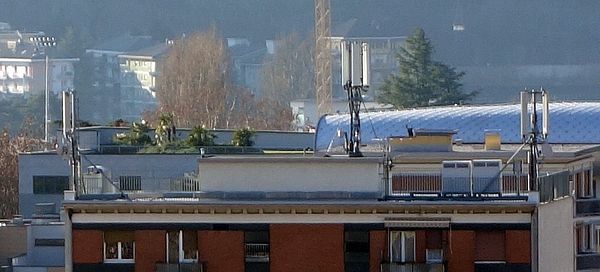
[492,139]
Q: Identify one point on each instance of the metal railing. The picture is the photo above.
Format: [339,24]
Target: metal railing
[554,186]
[180,267]
[185,184]
[257,252]
[406,184]
[95,184]
[412,267]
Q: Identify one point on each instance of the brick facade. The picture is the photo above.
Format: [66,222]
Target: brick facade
[221,251]
[88,246]
[307,247]
[150,248]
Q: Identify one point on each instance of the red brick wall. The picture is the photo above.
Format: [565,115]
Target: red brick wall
[307,247]
[88,246]
[377,249]
[150,248]
[461,257]
[489,245]
[518,246]
[222,250]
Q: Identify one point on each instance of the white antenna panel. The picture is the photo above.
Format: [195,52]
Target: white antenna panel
[525,126]
[546,113]
[356,64]
[366,61]
[346,62]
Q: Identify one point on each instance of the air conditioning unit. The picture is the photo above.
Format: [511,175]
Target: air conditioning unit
[435,255]
[487,176]
[456,177]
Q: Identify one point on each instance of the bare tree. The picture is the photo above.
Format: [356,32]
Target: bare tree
[10,147]
[193,81]
[288,73]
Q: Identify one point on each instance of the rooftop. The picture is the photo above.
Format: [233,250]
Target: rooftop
[570,123]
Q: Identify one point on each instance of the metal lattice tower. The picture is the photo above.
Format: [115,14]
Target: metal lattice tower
[323,56]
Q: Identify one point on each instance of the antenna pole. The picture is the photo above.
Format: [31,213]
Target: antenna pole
[532,135]
[355,79]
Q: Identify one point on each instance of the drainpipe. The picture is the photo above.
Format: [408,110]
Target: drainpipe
[68,242]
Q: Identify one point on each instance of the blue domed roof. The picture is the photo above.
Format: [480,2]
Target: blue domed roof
[570,122]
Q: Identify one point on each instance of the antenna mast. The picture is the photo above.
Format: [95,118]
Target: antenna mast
[530,128]
[355,79]
[323,56]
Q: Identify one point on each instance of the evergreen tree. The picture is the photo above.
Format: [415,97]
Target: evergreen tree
[421,80]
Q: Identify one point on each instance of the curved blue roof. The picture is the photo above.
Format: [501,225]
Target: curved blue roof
[570,122]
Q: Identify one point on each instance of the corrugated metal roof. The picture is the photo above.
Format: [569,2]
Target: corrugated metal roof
[570,122]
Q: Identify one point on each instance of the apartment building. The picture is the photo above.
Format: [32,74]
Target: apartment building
[23,65]
[44,175]
[105,75]
[434,209]
[139,71]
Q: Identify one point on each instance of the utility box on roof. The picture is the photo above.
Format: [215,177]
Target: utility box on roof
[456,177]
[487,178]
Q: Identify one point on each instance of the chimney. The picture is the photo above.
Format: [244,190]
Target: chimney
[492,139]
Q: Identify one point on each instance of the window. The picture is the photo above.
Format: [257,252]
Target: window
[119,247]
[50,242]
[584,243]
[402,245]
[182,246]
[583,184]
[50,185]
[256,247]
[356,250]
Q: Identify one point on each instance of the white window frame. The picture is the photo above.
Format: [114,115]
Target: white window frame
[119,258]
[181,252]
[403,246]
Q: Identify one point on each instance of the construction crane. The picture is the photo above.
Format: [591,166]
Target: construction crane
[323,56]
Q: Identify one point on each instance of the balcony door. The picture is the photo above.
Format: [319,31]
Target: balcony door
[182,246]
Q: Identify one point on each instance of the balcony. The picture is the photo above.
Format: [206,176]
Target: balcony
[180,267]
[430,184]
[94,186]
[412,267]
[256,252]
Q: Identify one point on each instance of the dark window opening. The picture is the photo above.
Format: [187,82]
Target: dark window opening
[50,185]
[356,251]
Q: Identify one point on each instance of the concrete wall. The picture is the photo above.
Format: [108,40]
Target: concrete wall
[269,174]
[12,242]
[152,168]
[555,236]
[43,165]
[45,255]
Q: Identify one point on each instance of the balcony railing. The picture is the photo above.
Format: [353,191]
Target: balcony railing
[95,184]
[412,267]
[180,267]
[257,252]
[431,183]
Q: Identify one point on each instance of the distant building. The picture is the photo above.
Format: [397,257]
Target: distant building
[139,72]
[305,110]
[103,104]
[384,46]
[23,66]
[247,59]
